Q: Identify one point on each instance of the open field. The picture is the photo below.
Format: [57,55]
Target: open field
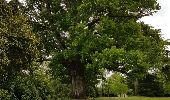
[132,98]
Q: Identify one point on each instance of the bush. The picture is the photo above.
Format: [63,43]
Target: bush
[4,95]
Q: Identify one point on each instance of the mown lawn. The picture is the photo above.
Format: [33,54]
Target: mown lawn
[132,98]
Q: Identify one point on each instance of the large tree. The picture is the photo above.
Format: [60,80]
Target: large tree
[87,35]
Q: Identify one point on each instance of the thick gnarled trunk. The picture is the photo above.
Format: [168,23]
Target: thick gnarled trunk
[78,83]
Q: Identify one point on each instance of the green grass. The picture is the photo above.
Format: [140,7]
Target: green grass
[132,98]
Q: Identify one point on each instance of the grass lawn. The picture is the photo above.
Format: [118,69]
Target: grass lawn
[132,98]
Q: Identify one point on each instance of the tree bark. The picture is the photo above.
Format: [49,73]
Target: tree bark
[78,83]
[136,85]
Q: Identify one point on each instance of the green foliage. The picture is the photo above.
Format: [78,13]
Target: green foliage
[167,88]
[26,88]
[4,94]
[62,91]
[83,36]
[113,37]
[19,78]
[119,87]
[39,86]
[18,43]
[164,76]
[151,86]
[115,84]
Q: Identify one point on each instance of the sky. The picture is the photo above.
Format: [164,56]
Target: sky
[161,19]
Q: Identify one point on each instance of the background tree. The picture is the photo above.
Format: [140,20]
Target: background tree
[115,85]
[151,86]
[164,72]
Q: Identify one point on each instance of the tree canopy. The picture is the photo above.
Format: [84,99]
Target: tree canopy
[82,36]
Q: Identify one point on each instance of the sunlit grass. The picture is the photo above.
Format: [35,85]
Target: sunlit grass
[132,98]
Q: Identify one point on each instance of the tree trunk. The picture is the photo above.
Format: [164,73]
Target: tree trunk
[108,92]
[78,83]
[136,85]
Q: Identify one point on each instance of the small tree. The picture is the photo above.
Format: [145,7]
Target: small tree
[115,85]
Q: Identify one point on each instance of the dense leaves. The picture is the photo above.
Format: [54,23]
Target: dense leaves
[115,85]
[81,37]
[95,34]
[18,43]
[151,86]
